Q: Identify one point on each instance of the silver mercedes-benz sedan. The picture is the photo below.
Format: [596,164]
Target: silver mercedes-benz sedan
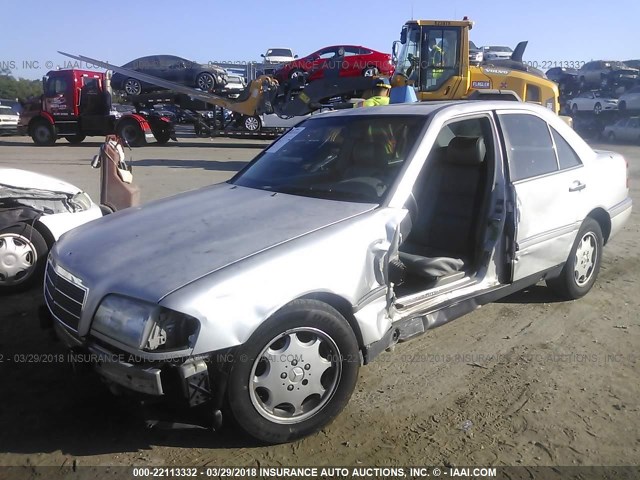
[262,296]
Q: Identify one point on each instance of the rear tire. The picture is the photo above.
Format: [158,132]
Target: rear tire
[206,82]
[132,86]
[23,254]
[75,139]
[370,72]
[131,133]
[295,373]
[43,133]
[252,123]
[581,268]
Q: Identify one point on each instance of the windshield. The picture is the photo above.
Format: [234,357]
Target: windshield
[279,52]
[409,57]
[350,158]
[498,49]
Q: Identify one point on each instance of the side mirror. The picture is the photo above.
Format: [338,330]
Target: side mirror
[262,55]
[295,56]
[394,51]
[403,36]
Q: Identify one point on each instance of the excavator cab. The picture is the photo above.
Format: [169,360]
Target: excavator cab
[433,56]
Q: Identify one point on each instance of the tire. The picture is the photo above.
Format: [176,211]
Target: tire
[611,137]
[252,123]
[574,109]
[370,71]
[75,139]
[597,108]
[162,136]
[131,132]
[295,73]
[205,82]
[581,268]
[271,358]
[132,86]
[43,133]
[622,106]
[23,254]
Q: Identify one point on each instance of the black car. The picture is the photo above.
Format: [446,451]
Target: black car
[566,78]
[173,69]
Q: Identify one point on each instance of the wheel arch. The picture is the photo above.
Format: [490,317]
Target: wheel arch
[342,305]
[601,216]
[46,116]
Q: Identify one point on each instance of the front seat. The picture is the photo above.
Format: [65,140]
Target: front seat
[443,238]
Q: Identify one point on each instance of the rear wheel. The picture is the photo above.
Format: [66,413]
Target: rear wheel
[132,86]
[597,108]
[370,72]
[131,132]
[205,82]
[43,133]
[295,73]
[162,136]
[295,373]
[252,123]
[23,253]
[75,139]
[581,268]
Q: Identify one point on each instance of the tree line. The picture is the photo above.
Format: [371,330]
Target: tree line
[21,88]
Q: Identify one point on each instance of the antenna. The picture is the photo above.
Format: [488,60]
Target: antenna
[411,10]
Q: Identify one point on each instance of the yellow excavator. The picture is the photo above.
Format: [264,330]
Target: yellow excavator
[432,56]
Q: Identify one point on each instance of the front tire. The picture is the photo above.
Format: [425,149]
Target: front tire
[295,373]
[581,268]
[370,72]
[23,253]
[43,133]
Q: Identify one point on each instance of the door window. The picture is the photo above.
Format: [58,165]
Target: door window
[529,146]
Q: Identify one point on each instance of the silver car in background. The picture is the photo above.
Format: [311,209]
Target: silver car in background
[264,295]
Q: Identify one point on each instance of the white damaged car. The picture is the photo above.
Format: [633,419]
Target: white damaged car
[261,297]
[35,210]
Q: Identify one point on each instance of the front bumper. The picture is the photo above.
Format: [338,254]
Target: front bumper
[186,381]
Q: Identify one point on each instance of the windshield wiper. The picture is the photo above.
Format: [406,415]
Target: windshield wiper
[325,193]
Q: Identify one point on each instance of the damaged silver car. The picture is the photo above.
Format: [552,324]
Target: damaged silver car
[261,297]
[35,210]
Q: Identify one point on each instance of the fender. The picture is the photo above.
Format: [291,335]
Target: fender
[144,124]
[46,115]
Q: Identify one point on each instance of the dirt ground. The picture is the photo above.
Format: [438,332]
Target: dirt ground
[525,381]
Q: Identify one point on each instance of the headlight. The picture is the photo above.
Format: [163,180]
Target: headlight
[144,325]
[81,202]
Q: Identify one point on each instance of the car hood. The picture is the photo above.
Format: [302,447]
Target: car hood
[13,177]
[153,250]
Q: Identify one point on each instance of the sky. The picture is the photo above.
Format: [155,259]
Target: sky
[118,31]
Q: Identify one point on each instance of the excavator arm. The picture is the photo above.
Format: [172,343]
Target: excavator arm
[262,95]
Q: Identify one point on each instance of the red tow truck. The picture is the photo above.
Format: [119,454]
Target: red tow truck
[77,103]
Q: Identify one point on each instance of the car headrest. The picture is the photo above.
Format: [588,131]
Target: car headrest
[467,151]
[370,154]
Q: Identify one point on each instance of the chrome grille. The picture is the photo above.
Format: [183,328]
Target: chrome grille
[64,298]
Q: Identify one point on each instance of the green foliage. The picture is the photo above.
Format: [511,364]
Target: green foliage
[20,88]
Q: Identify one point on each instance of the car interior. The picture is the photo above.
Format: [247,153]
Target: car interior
[448,209]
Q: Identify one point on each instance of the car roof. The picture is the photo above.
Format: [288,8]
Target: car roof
[428,108]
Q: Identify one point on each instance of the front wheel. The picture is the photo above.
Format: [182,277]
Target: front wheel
[43,133]
[581,268]
[295,373]
[23,253]
[370,72]
[132,86]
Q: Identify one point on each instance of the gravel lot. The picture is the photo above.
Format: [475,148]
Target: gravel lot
[540,382]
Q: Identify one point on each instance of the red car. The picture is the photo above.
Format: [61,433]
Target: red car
[338,61]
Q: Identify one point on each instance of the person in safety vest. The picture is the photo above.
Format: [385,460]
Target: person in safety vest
[436,58]
[381,91]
